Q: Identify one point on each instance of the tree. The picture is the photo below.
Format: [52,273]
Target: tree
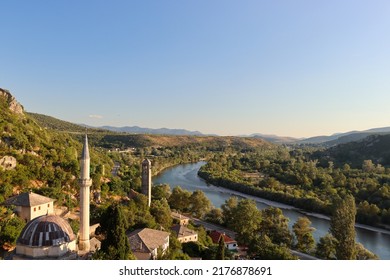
[342,227]
[193,249]
[10,229]
[221,249]
[161,212]
[304,235]
[115,245]
[174,251]
[179,199]
[368,166]
[275,225]
[215,216]
[161,191]
[261,247]
[368,213]
[364,254]
[199,204]
[246,220]
[326,248]
[228,209]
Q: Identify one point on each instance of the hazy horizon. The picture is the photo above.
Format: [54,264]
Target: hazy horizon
[297,69]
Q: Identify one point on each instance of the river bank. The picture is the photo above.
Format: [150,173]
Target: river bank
[281,205]
[290,207]
[374,239]
[273,203]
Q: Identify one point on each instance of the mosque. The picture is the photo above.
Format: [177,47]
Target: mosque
[51,237]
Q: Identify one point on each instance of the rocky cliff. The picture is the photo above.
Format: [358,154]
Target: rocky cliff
[12,103]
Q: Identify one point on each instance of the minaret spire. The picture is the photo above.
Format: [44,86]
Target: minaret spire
[85,184]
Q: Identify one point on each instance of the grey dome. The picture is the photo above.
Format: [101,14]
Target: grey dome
[46,230]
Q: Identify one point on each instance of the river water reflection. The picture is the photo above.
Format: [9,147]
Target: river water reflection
[186,176]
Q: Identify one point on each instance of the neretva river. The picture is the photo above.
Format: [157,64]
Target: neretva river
[186,176]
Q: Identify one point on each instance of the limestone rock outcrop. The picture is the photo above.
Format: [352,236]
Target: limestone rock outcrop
[8,163]
[13,104]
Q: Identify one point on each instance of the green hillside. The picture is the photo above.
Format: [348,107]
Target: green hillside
[375,148]
[46,160]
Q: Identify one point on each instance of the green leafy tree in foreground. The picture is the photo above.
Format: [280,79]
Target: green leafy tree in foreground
[275,225]
[246,220]
[200,204]
[10,228]
[326,248]
[364,254]
[304,235]
[179,199]
[261,247]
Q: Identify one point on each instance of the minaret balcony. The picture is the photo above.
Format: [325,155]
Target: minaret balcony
[85,182]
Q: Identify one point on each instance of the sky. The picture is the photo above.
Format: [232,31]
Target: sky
[290,68]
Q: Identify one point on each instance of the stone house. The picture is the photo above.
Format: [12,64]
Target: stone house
[144,243]
[185,234]
[29,206]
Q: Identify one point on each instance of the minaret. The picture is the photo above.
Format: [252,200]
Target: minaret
[147,180]
[85,183]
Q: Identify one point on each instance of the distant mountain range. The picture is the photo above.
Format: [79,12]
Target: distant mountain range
[341,138]
[160,131]
[328,141]
[274,138]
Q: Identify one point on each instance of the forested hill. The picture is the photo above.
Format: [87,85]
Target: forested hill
[375,148]
[32,157]
[60,125]
[121,140]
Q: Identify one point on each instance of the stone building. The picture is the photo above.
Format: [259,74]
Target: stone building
[230,243]
[51,237]
[180,219]
[46,237]
[144,243]
[29,206]
[184,234]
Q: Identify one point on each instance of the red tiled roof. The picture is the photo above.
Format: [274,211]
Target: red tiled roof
[216,235]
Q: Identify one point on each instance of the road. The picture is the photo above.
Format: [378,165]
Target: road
[210,226]
[115,170]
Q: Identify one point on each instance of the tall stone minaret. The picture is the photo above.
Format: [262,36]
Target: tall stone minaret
[147,180]
[85,183]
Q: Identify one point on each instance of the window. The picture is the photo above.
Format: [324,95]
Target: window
[39,208]
[35,209]
[48,206]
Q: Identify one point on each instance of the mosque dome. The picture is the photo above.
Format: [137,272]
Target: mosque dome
[46,236]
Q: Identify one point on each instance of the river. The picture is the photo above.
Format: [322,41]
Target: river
[186,176]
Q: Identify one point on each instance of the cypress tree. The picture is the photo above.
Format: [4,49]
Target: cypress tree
[116,245]
[221,249]
[342,227]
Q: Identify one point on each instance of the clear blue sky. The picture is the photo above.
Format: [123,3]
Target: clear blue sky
[291,68]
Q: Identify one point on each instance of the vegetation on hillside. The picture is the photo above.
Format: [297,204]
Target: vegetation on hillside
[47,153]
